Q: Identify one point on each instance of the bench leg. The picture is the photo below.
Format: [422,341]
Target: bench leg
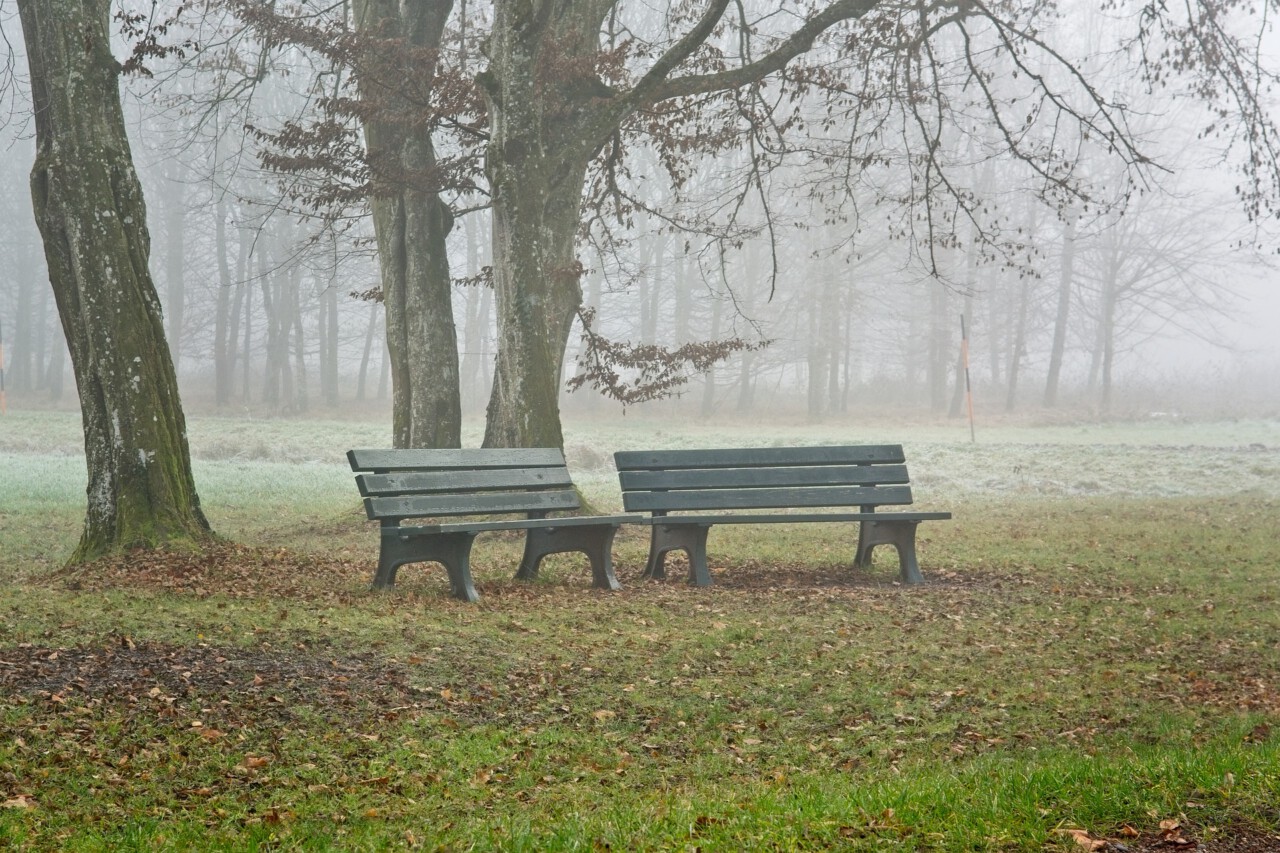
[451,550]
[690,538]
[596,541]
[901,535]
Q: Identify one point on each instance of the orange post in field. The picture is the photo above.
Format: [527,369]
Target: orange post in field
[968,388]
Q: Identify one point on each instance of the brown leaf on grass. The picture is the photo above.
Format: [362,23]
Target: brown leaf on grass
[254,762]
[1084,840]
[1171,835]
[22,801]
[604,714]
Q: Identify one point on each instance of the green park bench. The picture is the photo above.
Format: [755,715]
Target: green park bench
[685,492]
[399,485]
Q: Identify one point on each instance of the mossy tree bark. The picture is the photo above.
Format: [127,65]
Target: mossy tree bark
[89,208]
[547,120]
[411,224]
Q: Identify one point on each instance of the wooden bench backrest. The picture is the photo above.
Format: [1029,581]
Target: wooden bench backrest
[662,481]
[400,484]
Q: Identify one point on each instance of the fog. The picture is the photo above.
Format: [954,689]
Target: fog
[1173,307]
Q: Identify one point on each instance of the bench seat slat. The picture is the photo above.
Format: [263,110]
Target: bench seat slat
[729,478]
[454,482]
[446,459]
[771,457]
[482,503]
[712,499]
[793,518]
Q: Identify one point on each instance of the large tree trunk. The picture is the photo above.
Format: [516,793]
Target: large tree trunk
[411,224]
[543,135]
[536,284]
[90,211]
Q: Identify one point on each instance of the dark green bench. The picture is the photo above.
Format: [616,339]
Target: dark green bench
[672,485]
[398,485]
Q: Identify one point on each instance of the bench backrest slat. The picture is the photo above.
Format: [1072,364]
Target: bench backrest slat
[446,459]
[736,478]
[663,481]
[489,479]
[750,457]
[481,503]
[707,499]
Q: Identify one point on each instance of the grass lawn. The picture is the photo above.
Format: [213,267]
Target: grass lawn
[1095,657]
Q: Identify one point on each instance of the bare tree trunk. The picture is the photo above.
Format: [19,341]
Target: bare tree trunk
[20,374]
[939,338]
[327,336]
[834,343]
[369,333]
[708,407]
[301,401]
[1065,285]
[411,225]
[223,340]
[816,356]
[1018,336]
[473,387]
[1107,336]
[970,283]
[246,367]
[958,391]
[276,358]
[1018,345]
[92,217]
[175,234]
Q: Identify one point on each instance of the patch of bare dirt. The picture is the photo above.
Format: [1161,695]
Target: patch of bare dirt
[259,682]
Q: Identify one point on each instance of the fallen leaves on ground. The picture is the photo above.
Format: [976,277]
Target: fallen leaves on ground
[264,682]
[233,570]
